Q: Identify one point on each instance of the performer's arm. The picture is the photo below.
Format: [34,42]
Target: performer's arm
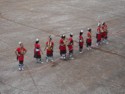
[16,52]
[25,51]
[45,47]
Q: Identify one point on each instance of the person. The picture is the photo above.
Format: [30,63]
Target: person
[49,49]
[70,45]
[98,35]
[20,52]
[37,51]
[105,30]
[81,41]
[62,47]
[89,39]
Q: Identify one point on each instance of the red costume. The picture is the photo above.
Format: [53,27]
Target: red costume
[70,46]
[89,34]
[37,50]
[50,45]
[99,29]
[98,36]
[89,39]
[104,28]
[21,52]
[81,41]
[62,45]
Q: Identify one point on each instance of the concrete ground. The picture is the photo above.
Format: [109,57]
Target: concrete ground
[99,71]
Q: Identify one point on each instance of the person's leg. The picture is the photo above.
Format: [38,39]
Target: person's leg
[97,42]
[19,65]
[90,45]
[80,49]
[61,54]
[51,57]
[106,38]
[37,57]
[47,58]
[22,65]
[71,54]
[103,37]
[87,45]
[64,54]
[37,60]
[40,59]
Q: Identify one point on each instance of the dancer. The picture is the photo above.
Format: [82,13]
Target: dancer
[89,39]
[49,49]
[98,35]
[81,41]
[62,47]
[105,34]
[70,46]
[20,52]
[37,51]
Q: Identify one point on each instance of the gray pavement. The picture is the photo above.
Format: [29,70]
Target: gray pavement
[99,71]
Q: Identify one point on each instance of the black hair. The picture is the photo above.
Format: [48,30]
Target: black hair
[103,23]
[37,41]
[63,36]
[89,30]
[80,33]
[71,35]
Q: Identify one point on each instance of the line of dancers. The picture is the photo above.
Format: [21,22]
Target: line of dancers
[64,45]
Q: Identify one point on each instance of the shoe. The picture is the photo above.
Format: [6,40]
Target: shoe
[52,60]
[61,57]
[37,61]
[19,69]
[107,43]
[72,58]
[64,57]
[103,41]
[80,52]
[47,60]
[22,69]
[97,44]
[87,48]
[42,62]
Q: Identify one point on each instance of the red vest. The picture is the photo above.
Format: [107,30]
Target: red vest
[49,49]
[81,40]
[20,52]
[70,46]
[62,45]
[37,49]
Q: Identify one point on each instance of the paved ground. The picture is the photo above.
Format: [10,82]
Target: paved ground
[99,71]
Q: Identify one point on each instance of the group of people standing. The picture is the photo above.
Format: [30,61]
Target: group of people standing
[64,43]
